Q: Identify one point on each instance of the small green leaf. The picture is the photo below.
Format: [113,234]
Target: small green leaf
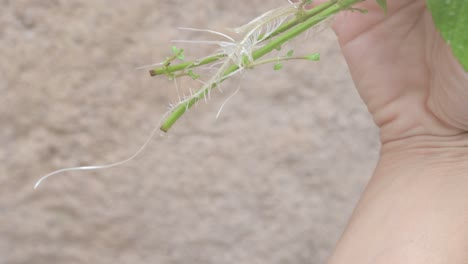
[175,50]
[179,53]
[193,75]
[382,4]
[278,66]
[290,53]
[450,17]
[313,57]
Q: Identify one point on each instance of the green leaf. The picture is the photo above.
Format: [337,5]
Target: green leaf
[451,19]
[278,66]
[193,75]
[290,53]
[313,57]
[175,50]
[179,53]
[382,4]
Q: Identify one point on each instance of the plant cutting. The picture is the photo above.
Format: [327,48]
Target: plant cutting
[255,40]
[252,44]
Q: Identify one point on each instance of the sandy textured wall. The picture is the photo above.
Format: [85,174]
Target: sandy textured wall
[273,180]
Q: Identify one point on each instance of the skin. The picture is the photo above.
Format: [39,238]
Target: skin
[404,71]
[415,208]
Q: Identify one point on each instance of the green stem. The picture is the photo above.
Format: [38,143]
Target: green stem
[182,108]
[297,20]
[185,65]
[272,45]
[261,62]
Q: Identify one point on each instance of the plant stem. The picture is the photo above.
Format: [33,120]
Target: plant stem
[185,65]
[335,7]
[184,107]
[279,59]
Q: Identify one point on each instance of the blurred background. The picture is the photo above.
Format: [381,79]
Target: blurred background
[272,180]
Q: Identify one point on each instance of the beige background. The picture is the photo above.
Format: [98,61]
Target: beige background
[273,180]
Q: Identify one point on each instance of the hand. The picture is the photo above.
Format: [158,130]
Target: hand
[404,71]
[412,210]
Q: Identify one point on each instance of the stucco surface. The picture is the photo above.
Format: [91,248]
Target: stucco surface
[272,180]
